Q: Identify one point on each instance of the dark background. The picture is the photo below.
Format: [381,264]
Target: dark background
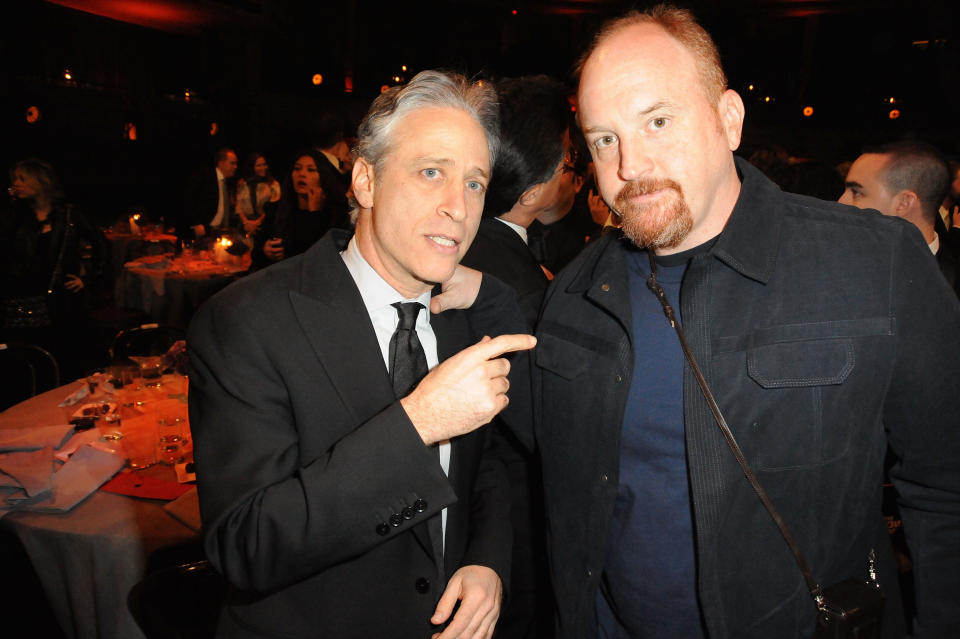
[248,66]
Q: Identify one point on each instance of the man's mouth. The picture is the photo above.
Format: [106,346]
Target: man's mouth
[443,240]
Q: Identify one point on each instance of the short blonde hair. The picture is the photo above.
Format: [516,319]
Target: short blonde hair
[685,29]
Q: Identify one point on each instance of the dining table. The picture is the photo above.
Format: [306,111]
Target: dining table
[168,288]
[90,532]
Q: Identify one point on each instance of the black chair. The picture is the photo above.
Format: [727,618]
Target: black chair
[145,340]
[178,602]
[26,370]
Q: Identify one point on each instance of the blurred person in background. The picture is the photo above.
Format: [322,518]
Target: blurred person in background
[301,216]
[255,188]
[43,279]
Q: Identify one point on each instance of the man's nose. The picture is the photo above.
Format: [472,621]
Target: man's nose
[453,203]
[635,160]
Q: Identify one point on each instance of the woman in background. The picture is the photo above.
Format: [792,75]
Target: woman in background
[43,278]
[255,189]
[300,217]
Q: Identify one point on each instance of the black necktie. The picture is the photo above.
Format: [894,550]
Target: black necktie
[408,364]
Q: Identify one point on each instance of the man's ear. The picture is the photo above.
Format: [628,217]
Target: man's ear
[731,112]
[903,202]
[364,182]
[530,195]
[577,183]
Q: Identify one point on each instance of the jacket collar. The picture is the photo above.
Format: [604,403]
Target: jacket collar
[749,242]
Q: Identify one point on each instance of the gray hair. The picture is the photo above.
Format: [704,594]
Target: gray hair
[427,89]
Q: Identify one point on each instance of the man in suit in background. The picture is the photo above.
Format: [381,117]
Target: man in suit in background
[329,141]
[908,180]
[210,196]
[335,500]
[533,175]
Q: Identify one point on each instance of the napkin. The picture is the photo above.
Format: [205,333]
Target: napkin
[34,438]
[186,509]
[32,471]
[76,480]
[136,484]
[73,398]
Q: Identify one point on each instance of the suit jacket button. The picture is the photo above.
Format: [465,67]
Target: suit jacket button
[420,505]
[422,585]
[382,529]
[407,513]
[395,520]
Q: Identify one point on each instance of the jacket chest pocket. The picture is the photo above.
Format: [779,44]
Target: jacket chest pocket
[803,395]
[791,428]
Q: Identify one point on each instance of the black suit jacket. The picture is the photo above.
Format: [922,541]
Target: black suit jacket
[500,251]
[201,197]
[311,475]
[334,185]
[948,262]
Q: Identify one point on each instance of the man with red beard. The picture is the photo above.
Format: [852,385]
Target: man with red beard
[804,317]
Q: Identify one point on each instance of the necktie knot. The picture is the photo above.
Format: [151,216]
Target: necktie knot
[408,363]
[408,312]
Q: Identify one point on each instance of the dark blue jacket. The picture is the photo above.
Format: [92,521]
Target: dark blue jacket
[826,333]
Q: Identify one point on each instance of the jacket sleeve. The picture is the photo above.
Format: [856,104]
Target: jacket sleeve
[922,417]
[497,312]
[273,515]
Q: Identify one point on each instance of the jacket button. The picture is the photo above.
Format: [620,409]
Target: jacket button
[618,378]
[395,520]
[407,513]
[604,287]
[589,573]
[422,585]
[382,529]
[603,478]
[420,505]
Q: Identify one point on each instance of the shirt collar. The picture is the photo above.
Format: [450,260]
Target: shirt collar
[521,231]
[934,246]
[374,290]
[334,160]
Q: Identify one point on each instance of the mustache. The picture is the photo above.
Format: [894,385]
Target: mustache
[636,188]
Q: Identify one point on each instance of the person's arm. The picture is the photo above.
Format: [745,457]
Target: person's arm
[922,417]
[273,517]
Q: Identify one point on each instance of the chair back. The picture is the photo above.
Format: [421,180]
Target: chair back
[181,601]
[25,370]
[145,340]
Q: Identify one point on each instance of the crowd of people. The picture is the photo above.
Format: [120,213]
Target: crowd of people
[459,393]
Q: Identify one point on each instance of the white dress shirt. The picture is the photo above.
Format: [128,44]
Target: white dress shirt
[377,298]
[221,205]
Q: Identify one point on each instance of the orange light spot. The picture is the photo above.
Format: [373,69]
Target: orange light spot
[894,114]
[33,114]
[317,79]
[214,127]
[807,111]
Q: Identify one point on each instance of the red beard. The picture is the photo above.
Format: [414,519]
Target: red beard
[660,223]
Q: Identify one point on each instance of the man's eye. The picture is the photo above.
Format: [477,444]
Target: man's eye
[659,123]
[604,141]
[431,173]
[476,186]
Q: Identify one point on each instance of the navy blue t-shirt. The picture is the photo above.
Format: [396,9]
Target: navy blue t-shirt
[649,580]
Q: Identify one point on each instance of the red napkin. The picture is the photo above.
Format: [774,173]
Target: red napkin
[137,485]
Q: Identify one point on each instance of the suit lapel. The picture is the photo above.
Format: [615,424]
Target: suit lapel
[331,314]
[335,321]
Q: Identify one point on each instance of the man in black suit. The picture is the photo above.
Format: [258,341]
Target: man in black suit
[907,180]
[210,196]
[533,176]
[335,502]
[334,174]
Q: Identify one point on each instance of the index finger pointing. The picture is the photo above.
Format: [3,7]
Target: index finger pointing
[504,344]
